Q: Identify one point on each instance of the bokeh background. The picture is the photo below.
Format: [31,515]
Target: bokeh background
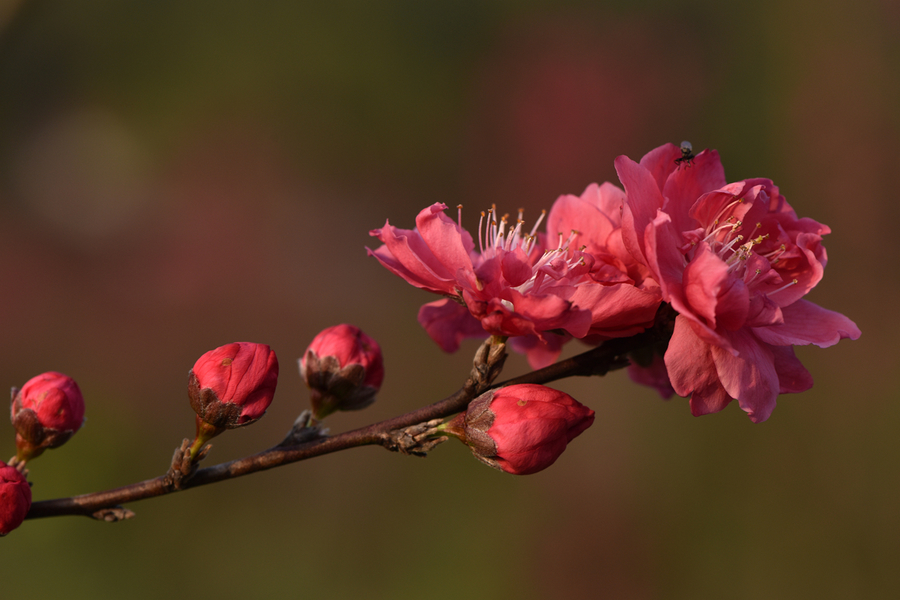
[178,175]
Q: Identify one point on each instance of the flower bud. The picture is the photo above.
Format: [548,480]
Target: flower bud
[46,412]
[15,498]
[343,368]
[230,387]
[521,429]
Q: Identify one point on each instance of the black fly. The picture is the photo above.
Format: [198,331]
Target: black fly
[687,154]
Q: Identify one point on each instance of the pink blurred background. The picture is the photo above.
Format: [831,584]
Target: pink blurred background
[179,175]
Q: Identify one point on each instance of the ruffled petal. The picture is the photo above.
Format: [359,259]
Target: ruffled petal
[644,200]
[808,323]
[540,353]
[688,359]
[571,213]
[703,280]
[660,163]
[654,375]
[709,399]
[688,182]
[793,377]
[749,376]
[448,323]
[449,244]
[617,310]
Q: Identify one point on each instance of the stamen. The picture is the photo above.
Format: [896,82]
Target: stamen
[784,287]
[728,246]
[755,275]
[755,229]
[538,222]
[711,236]
[527,244]
[480,239]
[775,255]
[512,240]
[725,209]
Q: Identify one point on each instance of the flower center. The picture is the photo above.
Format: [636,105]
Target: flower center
[495,235]
[724,238]
[555,263]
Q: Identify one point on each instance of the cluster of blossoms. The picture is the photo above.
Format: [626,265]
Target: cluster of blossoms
[733,260]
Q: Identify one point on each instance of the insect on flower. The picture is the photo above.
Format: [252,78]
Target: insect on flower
[687,154]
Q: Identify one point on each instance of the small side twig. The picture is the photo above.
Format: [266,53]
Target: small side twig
[416,440]
[486,367]
[182,468]
[305,429]
[112,514]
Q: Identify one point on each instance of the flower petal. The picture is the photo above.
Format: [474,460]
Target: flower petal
[793,377]
[688,359]
[448,323]
[404,253]
[644,200]
[808,323]
[450,244]
[689,182]
[749,376]
[540,353]
[703,280]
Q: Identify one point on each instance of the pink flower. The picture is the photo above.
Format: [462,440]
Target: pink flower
[46,412]
[513,285]
[627,296]
[343,368]
[15,498]
[234,384]
[734,261]
[521,429]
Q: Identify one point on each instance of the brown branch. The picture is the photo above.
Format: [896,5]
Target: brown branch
[489,359]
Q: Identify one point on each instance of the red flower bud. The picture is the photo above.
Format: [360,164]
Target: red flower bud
[233,385]
[15,498]
[343,368]
[46,412]
[521,429]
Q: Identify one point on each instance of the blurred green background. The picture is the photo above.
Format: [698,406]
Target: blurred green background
[178,175]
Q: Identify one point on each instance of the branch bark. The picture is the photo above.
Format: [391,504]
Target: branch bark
[598,361]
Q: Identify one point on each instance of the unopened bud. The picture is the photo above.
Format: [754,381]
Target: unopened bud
[343,368]
[46,412]
[15,498]
[230,387]
[521,429]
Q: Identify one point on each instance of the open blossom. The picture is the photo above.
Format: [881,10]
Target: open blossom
[734,261]
[629,295]
[514,285]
